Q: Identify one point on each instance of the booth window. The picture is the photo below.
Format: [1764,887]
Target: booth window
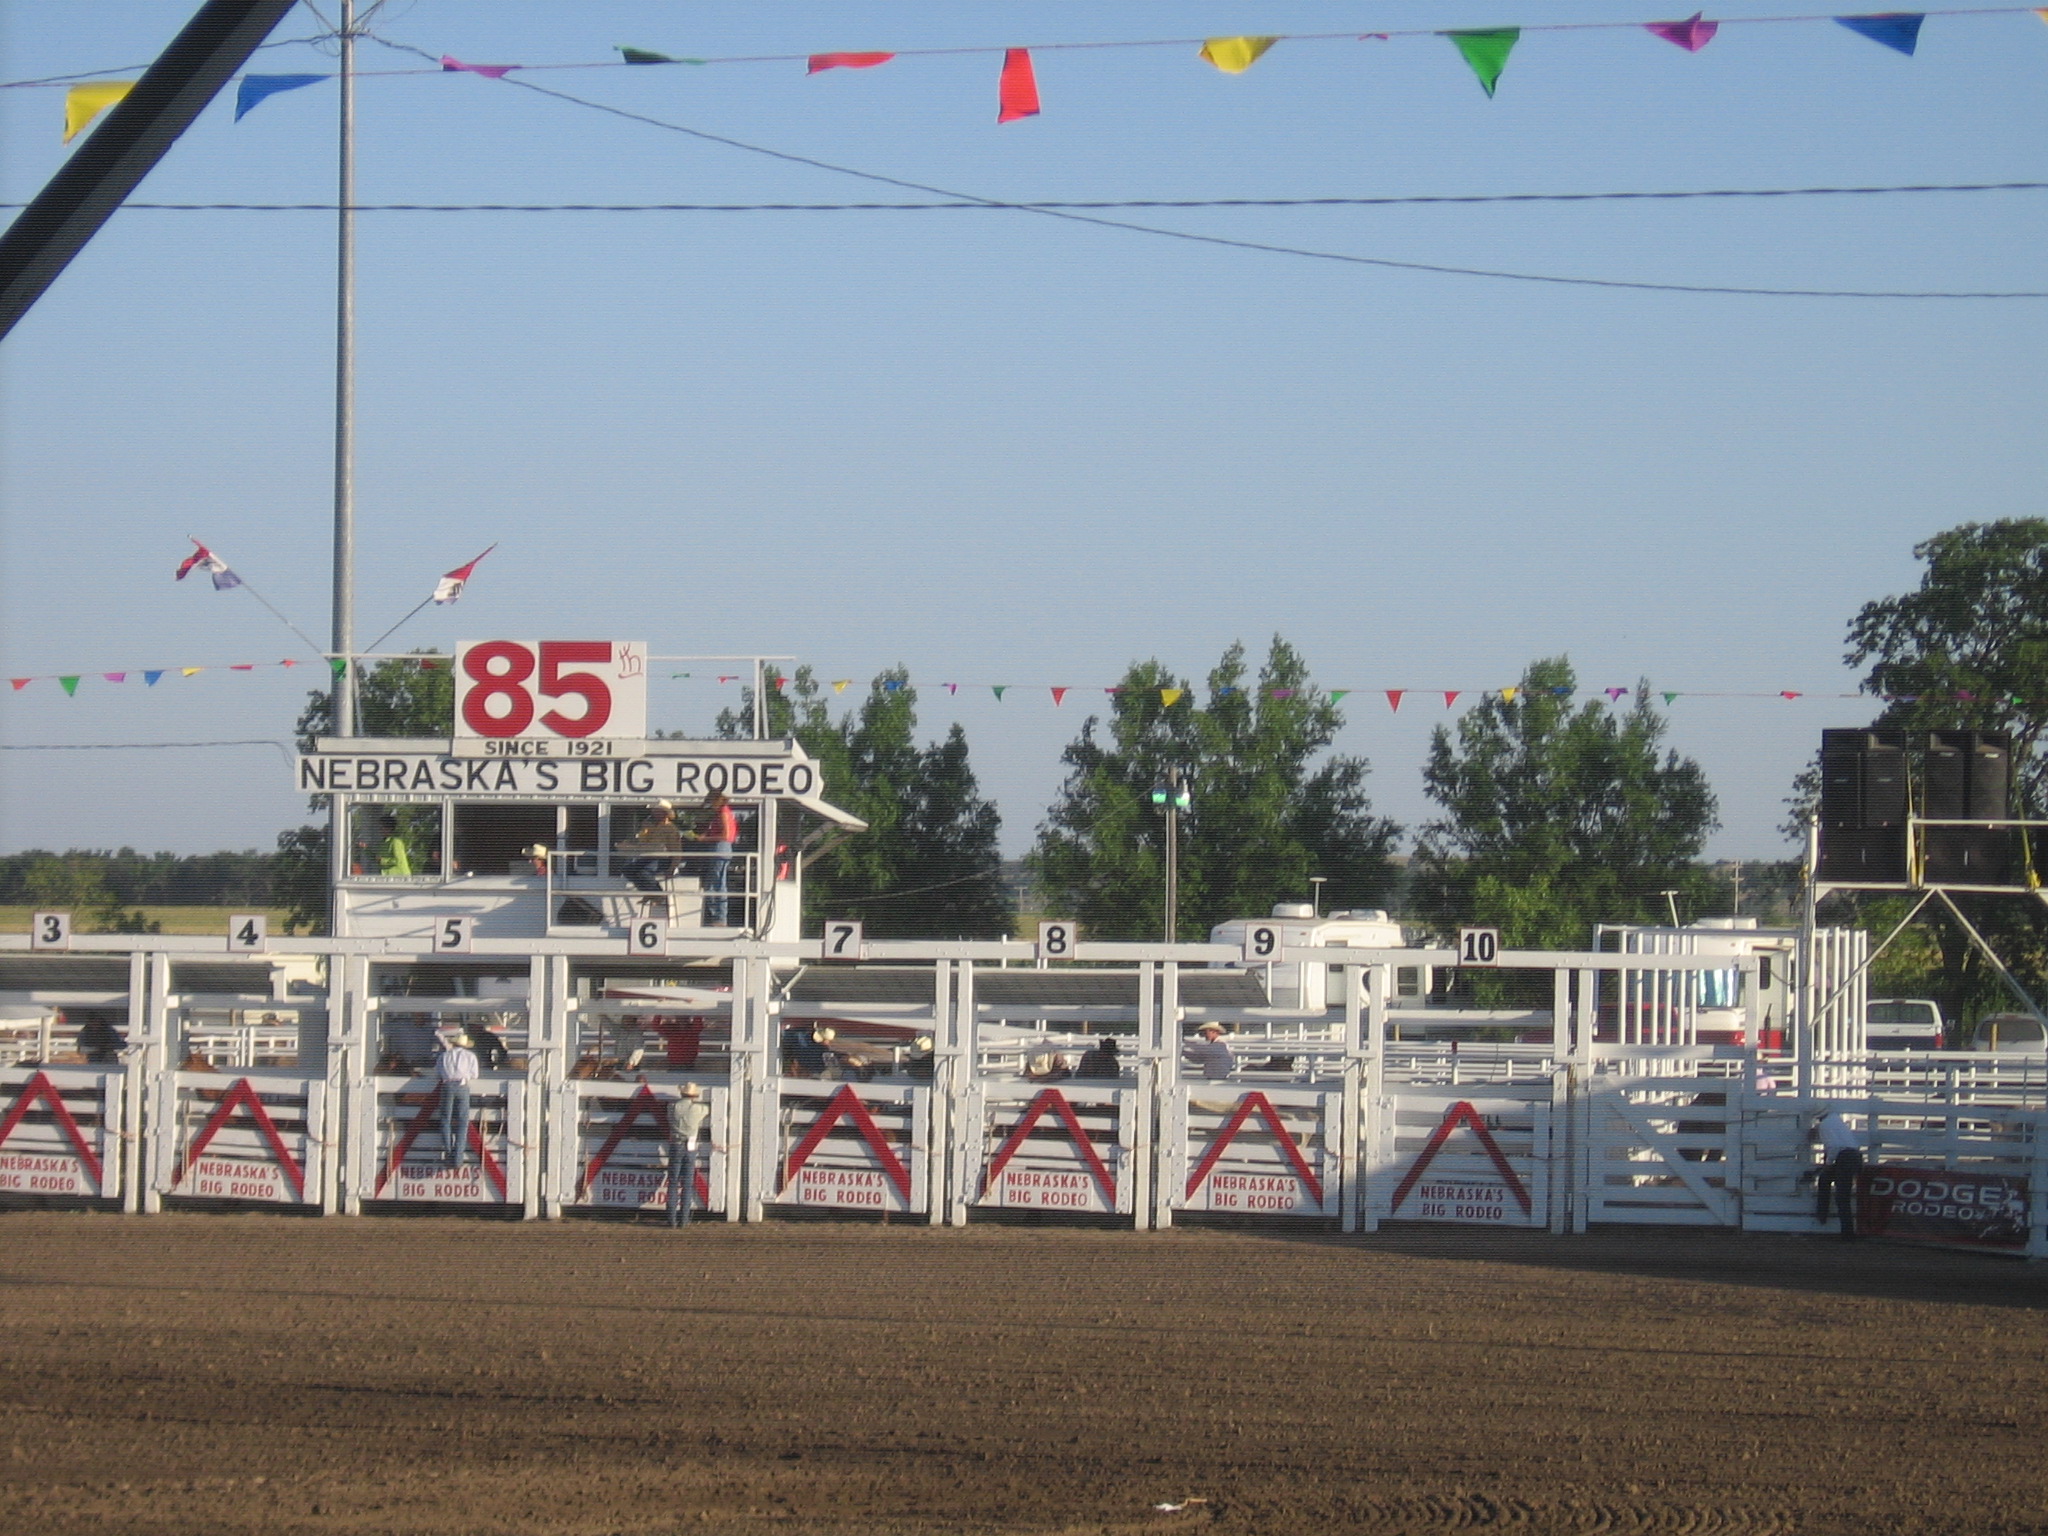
[395,841]
[488,838]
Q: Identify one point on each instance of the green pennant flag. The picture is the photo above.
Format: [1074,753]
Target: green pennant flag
[1338,693]
[1669,697]
[337,665]
[645,56]
[1487,52]
[997,690]
[69,685]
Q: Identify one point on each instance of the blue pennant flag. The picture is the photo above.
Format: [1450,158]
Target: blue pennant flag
[1895,29]
[255,87]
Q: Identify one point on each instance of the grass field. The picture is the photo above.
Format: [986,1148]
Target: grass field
[174,919]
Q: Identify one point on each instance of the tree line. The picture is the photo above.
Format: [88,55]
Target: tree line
[1552,812]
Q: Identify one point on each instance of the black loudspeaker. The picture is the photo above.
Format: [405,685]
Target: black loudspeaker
[1990,778]
[1841,787]
[1884,788]
[1864,858]
[1966,856]
[1945,778]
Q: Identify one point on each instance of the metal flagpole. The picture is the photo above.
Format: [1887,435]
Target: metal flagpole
[344,634]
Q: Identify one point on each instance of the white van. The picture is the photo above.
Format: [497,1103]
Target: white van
[2010,1032]
[1901,1024]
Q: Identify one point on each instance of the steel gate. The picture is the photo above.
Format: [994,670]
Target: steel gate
[60,1131]
[1066,1147]
[1449,1156]
[1252,1150]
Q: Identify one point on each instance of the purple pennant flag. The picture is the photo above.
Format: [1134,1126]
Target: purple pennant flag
[1692,35]
[115,677]
[488,71]
[1615,693]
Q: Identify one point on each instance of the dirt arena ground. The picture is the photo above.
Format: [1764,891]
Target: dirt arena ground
[226,1374]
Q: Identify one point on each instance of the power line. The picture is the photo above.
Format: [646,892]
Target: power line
[1347,259]
[1040,205]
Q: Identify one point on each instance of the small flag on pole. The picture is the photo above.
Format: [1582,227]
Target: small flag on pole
[83,103]
[450,586]
[204,559]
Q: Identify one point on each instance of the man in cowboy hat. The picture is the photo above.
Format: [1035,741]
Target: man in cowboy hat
[1208,1052]
[687,1117]
[455,1068]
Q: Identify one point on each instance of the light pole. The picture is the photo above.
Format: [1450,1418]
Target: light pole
[1173,795]
[1315,894]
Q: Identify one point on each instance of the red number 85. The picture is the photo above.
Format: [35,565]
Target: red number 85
[500,668]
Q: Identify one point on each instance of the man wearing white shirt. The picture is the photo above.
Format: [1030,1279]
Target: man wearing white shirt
[456,1067]
[687,1117]
[1841,1162]
[1208,1052]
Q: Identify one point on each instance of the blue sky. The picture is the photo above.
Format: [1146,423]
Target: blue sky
[999,448]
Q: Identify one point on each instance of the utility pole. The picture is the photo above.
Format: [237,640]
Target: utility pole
[1173,795]
[343,637]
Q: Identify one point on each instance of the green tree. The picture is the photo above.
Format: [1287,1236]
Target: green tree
[398,697]
[1966,650]
[1560,816]
[929,865]
[1267,809]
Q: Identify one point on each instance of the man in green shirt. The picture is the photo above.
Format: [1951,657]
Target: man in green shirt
[394,856]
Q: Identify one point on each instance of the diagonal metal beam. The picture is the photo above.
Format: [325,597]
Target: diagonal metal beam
[126,146]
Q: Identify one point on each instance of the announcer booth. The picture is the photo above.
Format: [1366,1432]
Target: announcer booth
[548,811]
[64,1078]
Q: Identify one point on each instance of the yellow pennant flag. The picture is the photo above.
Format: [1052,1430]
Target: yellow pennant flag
[83,103]
[839,684]
[191,671]
[1235,55]
[1171,696]
[1507,695]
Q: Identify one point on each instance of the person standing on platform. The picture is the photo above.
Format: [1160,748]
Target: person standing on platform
[1208,1052]
[687,1117]
[394,853]
[455,1068]
[1100,1061]
[717,832]
[1841,1163]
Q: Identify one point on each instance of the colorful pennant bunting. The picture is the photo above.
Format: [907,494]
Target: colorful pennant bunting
[997,690]
[83,103]
[69,685]
[1692,35]
[255,89]
[648,56]
[1017,91]
[1394,699]
[820,62]
[1487,52]
[1168,697]
[488,71]
[1059,697]
[1895,29]
[1235,55]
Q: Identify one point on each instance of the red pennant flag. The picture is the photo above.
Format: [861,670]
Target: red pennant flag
[1059,696]
[20,682]
[824,61]
[1394,698]
[1450,697]
[1018,93]
[243,666]
[1790,695]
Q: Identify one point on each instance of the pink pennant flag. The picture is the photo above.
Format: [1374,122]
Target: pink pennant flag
[287,662]
[1394,699]
[825,61]
[242,666]
[1961,697]
[1692,34]
[1017,93]
[728,677]
[1059,696]
[488,71]
[952,687]
[1615,693]
[1280,693]
[1786,693]
[115,677]
[1450,697]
